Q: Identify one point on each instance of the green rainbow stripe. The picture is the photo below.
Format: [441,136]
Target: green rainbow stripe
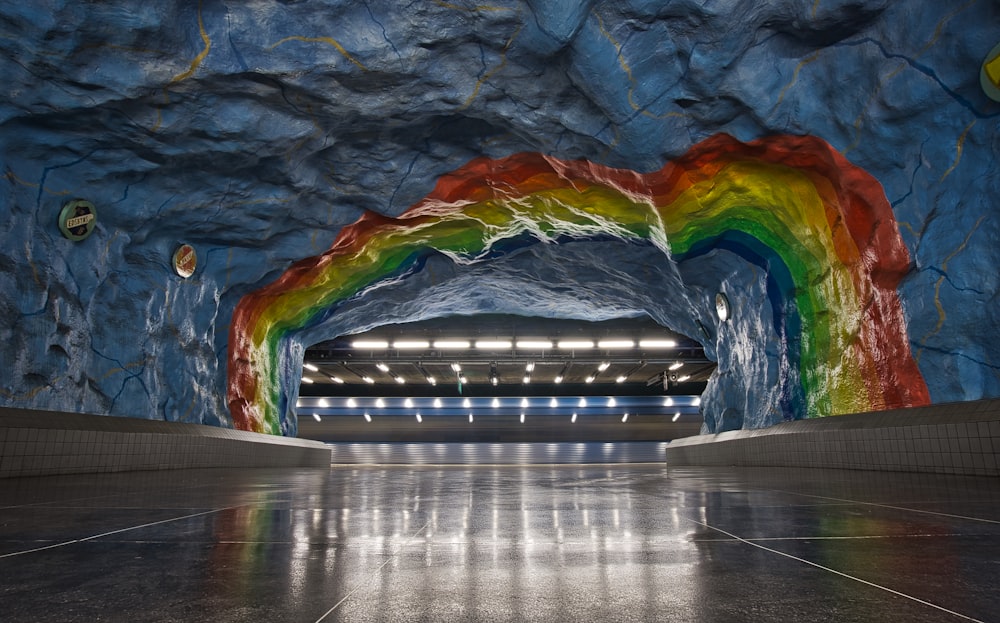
[820,226]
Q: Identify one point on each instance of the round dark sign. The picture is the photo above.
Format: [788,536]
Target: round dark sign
[77,219]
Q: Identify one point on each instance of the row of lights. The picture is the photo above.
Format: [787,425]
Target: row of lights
[420,419]
[609,344]
[380,403]
[494,376]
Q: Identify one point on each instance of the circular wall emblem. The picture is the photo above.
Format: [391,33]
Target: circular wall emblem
[185,260]
[989,75]
[77,219]
[722,306]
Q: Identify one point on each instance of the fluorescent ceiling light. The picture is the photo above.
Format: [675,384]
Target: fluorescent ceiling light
[370,344]
[381,366]
[379,403]
[524,403]
[534,344]
[310,367]
[493,344]
[400,380]
[583,402]
[590,379]
[604,366]
[408,403]
[463,379]
[530,367]
[316,417]
[457,367]
[657,343]
[496,403]
[553,403]
[683,378]
[352,403]
[368,379]
[696,401]
[668,402]
[466,403]
[526,379]
[676,365]
[522,418]
[432,380]
[573,344]
[410,344]
[437,403]
[612,402]
[494,379]
[451,344]
[323,403]
[621,379]
[306,379]
[676,416]
[337,379]
[419,419]
[558,379]
[368,418]
[615,344]
[573,419]
[625,418]
[470,418]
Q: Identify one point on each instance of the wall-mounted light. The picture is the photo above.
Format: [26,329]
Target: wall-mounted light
[722,306]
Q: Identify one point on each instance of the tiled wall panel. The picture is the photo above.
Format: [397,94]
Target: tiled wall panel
[954,438]
[40,443]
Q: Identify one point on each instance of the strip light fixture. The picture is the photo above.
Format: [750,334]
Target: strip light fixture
[657,343]
[493,344]
[615,344]
[310,367]
[451,344]
[410,344]
[575,344]
[370,344]
[534,344]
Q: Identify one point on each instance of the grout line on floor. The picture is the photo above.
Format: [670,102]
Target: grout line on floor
[898,508]
[375,572]
[119,531]
[840,573]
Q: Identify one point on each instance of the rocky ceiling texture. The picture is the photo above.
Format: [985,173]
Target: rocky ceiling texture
[829,166]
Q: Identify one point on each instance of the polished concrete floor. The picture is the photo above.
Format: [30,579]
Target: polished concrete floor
[541,543]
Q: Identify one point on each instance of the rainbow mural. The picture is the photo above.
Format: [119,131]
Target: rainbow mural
[821,227]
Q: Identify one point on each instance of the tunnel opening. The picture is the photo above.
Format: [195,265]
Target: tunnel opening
[504,378]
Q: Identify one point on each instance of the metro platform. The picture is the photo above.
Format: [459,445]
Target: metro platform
[547,543]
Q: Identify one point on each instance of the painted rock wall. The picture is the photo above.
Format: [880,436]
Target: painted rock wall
[257,131]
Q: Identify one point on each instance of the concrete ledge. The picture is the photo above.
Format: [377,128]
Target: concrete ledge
[44,443]
[950,438]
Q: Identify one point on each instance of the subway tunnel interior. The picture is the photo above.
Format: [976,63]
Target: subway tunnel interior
[707,291]
[198,194]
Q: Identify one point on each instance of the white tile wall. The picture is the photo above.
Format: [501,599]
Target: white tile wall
[954,438]
[37,443]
